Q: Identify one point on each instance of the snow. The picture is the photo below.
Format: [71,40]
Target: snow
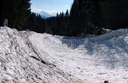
[30,57]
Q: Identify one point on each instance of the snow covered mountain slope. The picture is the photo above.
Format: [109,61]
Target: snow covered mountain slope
[46,15]
[29,57]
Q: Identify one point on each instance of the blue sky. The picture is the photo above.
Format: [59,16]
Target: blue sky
[50,6]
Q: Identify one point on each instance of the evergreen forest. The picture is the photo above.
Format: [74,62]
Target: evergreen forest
[85,17]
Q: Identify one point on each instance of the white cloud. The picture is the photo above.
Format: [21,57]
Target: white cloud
[50,12]
[36,10]
[66,5]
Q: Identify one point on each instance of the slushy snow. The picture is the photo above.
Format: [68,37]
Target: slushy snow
[30,57]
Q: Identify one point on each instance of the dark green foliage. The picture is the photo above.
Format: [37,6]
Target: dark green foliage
[62,24]
[17,12]
[86,16]
[1,7]
[89,16]
[51,24]
[35,23]
[115,13]
[20,17]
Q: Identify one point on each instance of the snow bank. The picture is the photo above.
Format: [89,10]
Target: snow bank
[29,57]
[20,62]
[91,59]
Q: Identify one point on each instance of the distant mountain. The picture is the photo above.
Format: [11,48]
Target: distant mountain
[53,14]
[45,15]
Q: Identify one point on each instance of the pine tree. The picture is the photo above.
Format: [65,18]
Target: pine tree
[89,16]
[22,11]
[17,12]
[114,13]
[1,7]
[67,14]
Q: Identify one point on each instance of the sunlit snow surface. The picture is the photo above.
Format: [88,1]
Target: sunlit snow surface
[29,57]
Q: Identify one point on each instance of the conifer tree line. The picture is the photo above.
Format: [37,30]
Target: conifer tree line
[85,16]
[90,16]
[19,15]
[62,23]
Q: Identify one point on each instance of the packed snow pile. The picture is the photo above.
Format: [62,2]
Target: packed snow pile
[20,62]
[29,57]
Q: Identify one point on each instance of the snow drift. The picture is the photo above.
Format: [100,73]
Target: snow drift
[29,57]
[21,63]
